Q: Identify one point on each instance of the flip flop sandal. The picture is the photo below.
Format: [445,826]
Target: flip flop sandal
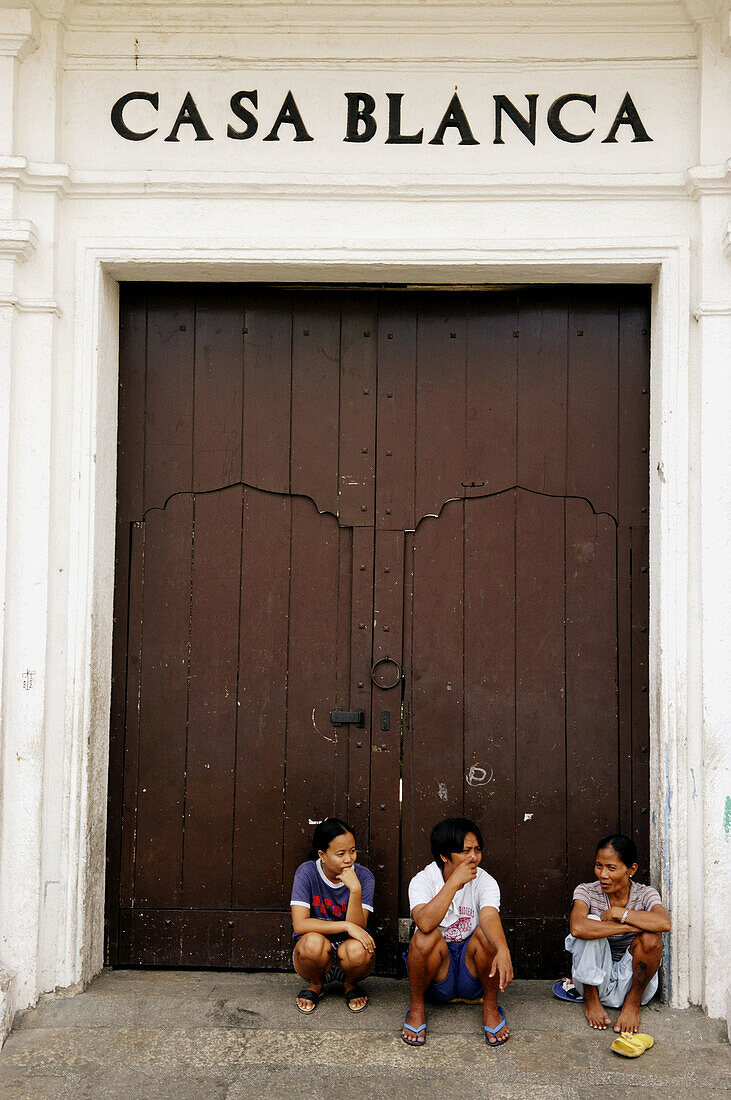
[417,1032]
[631,1045]
[308,995]
[565,990]
[494,1030]
[353,995]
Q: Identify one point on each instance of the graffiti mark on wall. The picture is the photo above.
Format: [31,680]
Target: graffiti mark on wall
[478,776]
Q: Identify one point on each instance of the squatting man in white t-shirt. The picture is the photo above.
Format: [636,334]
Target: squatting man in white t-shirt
[459,948]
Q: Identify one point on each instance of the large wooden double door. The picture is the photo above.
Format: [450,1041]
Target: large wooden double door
[380,554]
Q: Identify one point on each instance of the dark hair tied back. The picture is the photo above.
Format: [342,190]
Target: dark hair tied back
[625,848]
[326,832]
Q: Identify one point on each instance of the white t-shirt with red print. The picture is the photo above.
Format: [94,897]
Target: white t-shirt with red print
[460,920]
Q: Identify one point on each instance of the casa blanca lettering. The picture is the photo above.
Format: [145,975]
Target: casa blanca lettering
[366,119]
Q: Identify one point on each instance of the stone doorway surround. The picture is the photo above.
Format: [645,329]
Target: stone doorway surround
[101,267]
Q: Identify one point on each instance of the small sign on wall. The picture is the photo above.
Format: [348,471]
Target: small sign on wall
[360,120]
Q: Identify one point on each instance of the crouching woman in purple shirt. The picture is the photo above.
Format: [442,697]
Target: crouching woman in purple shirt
[332,896]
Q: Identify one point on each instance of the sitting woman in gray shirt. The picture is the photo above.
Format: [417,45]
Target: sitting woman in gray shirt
[616,937]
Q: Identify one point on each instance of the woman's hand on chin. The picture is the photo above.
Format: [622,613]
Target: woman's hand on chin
[349,878]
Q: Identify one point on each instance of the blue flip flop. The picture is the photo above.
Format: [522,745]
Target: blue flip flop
[417,1032]
[494,1030]
[565,990]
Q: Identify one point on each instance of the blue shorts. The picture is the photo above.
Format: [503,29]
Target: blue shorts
[458,982]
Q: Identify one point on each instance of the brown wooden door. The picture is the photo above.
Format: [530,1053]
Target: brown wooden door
[311,482]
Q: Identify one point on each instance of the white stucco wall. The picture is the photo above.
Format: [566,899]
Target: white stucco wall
[81,208]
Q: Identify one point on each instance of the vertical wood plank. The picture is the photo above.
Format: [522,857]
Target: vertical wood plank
[492,379]
[441,458]
[540,789]
[593,389]
[263,624]
[267,389]
[592,733]
[169,395]
[217,414]
[343,694]
[489,675]
[130,476]
[434,746]
[410,851]
[212,710]
[132,379]
[541,432]
[360,647]
[624,686]
[388,587]
[640,697]
[129,740]
[357,449]
[316,398]
[396,423]
[163,702]
[634,406]
[313,743]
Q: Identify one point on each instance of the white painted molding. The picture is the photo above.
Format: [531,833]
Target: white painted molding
[38,305]
[18,239]
[495,54]
[56,10]
[726,239]
[712,309]
[35,176]
[700,10]
[355,17]
[705,179]
[343,188]
[19,32]
[713,11]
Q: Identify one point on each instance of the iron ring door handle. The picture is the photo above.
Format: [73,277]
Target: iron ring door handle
[384,661]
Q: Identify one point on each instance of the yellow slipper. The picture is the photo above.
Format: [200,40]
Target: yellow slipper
[631,1045]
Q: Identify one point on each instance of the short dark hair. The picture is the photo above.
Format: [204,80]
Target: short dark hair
[448,836]
[625,848]
[326,832]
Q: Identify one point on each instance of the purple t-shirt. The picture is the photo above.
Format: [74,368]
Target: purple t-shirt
[327,900]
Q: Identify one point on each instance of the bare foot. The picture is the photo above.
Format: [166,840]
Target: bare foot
[491,1017]
[629,1018]
[416,1016]
[306,1005]
[594,1010]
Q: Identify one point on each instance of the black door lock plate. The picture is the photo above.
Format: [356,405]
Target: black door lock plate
[348,718]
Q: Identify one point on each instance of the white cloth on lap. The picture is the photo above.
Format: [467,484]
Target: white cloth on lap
[592,964]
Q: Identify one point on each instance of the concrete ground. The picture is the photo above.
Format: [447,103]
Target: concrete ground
[187,1035]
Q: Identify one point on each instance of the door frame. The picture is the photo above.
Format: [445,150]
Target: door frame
[675,742]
